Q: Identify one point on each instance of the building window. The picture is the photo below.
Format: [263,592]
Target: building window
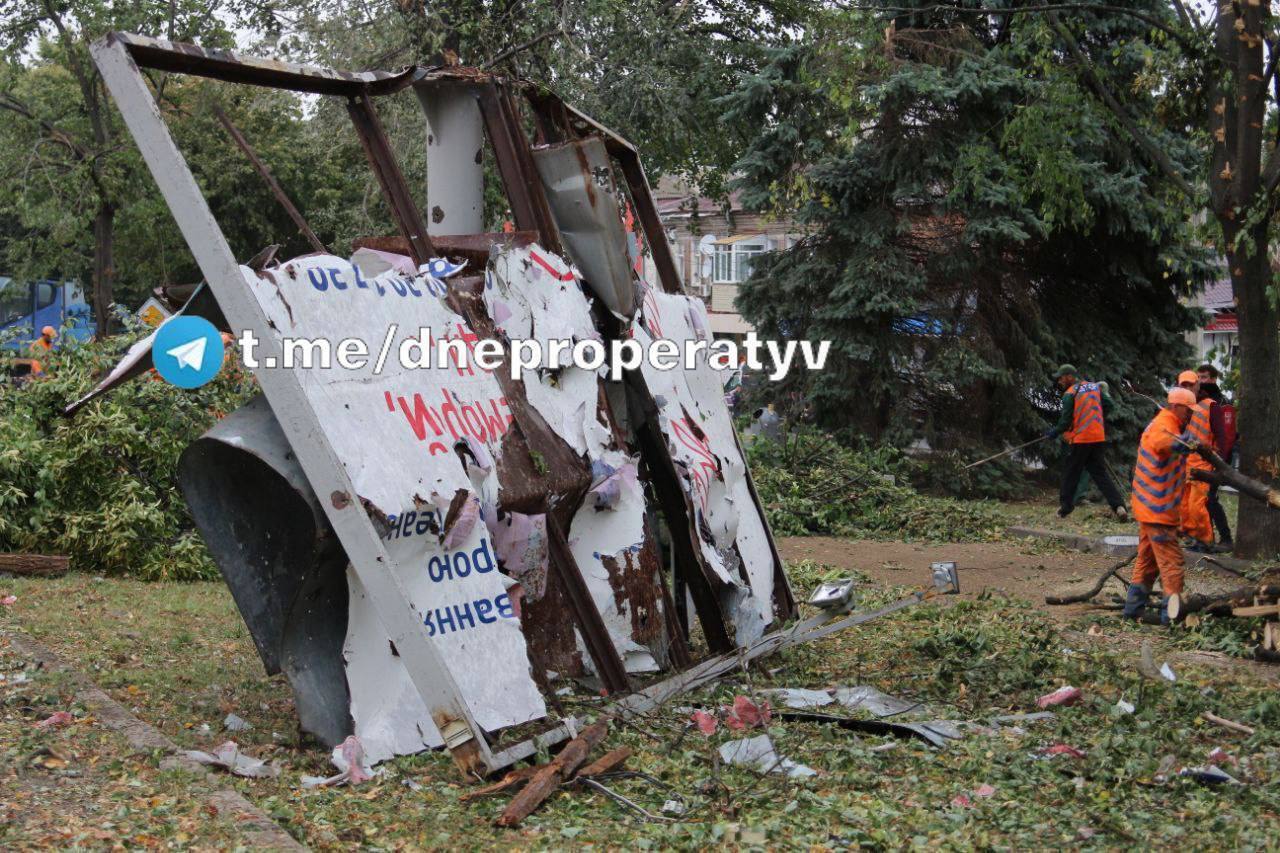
[734,258]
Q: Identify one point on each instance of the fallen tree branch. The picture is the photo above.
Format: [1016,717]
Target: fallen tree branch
[1097,587]
[1224,474]
[1228,724]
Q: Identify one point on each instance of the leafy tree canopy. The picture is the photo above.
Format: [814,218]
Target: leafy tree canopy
[974,217]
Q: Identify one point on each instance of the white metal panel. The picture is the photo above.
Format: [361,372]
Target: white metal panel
[300,422]
[699,433]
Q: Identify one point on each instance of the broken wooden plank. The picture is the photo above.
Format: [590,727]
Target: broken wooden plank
[549,777]
[607,763]
[35,565]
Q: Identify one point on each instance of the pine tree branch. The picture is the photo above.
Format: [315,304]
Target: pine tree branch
[1122,115]
[1051,8]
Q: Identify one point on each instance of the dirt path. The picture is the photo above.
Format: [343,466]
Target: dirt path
[1013,569]
[1020,571]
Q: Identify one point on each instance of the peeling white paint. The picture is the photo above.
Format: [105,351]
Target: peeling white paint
[533,294]
[699,432]
[395,432]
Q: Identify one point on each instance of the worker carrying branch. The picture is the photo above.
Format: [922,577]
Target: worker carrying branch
[1159,477]
[1085,406]
[1208,429]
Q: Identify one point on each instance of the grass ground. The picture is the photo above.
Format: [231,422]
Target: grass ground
[179,656]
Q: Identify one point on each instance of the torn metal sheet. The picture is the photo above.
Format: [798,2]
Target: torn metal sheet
[759,754]
[871,699]
[411,478]
[698,429]
[229,757]
[797,697]
[531,294]
[578,179]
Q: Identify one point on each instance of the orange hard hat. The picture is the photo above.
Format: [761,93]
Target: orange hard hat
[1188,376]
[1181,397]
[49,332]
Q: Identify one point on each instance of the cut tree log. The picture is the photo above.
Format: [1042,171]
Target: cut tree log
[550,776]
[1097,587]
[1224,474]
[1219,604]
[1257,610]
[34,565]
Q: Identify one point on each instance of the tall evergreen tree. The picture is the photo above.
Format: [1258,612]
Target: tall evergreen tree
[974,218]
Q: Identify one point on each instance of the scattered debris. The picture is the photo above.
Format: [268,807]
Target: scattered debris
[934,732]
[758,752]
[746,714]
[1166,672]
[56,720]
[229,757]
[798,697]
[1228,724]
[833,595]
[1062,749]
[705,722]
[1219,756]
[550,776]
[353,766]
[1125,707]
[1210,775]
[1062,696]
[872,700]
[235,723]
[9,600]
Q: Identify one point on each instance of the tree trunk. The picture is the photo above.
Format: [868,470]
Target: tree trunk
[1258,529]
[104,273]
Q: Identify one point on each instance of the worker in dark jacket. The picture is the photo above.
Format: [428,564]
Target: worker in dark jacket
[1083,425]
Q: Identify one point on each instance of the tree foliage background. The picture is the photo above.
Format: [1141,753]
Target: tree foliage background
[975,217]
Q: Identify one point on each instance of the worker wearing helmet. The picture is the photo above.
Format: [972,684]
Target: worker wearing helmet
[1158,479]
[1205,427]
[46,339]
[1082,423]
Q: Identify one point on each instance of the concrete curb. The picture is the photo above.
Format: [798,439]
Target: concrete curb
[260,831]
[1095,545]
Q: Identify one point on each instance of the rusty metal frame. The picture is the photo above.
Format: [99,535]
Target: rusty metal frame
[462,735]
[119,57]
[382,159]
[269,179]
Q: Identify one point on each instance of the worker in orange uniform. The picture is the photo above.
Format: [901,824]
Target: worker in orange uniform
[40,346]
[1206,428]
[1082,423]
[1158,479]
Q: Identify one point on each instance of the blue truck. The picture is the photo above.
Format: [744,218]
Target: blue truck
[28,306]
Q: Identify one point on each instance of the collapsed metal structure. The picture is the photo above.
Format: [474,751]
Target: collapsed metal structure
[424,553]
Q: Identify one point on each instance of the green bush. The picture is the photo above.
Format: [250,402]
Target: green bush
[810,484]
[99,487]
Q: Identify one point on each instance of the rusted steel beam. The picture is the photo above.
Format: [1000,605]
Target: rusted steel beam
[383,160]
[270,180]
[548,778]
[608,663]
[675,508]
[524,189]
[233,67]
